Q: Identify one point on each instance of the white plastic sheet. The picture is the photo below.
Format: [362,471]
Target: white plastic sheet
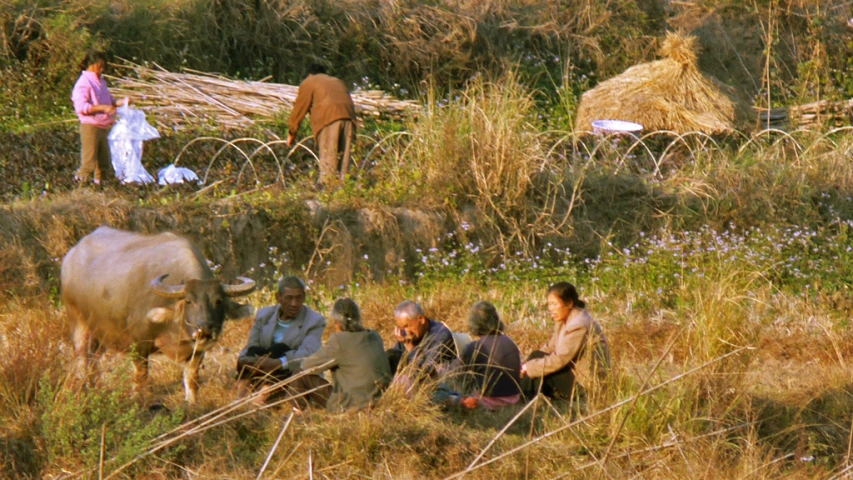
[173,174]
[126,138]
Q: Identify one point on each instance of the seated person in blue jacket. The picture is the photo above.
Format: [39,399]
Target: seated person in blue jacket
[425,346]
[282,334]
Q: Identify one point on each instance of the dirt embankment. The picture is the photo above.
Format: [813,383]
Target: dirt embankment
[261,239]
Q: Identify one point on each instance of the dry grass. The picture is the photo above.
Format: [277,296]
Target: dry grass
[726,420]
[173,100]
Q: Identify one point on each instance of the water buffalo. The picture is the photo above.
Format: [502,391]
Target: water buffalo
[146,294]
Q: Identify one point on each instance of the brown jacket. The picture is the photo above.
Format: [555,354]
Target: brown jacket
[578,340]
[326,98]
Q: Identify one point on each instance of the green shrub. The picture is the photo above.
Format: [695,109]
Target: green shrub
[72,422]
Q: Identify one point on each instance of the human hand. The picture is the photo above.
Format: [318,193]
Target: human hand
[246,361]
[402,336]
[269,365]
[523,369]
[399,334]
[263,364]
[290,139]
[109,109]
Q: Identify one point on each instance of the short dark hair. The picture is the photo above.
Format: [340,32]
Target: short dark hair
[346,313]
[567,292]
[314,69]
[484,319]
[93,57]
[291,281]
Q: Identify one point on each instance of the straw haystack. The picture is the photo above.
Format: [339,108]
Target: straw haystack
[667,94]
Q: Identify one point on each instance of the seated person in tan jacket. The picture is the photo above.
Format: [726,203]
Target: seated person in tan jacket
[577,353]
[282,335]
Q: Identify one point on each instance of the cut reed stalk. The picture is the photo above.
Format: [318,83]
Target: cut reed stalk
[176,99]
[275,446]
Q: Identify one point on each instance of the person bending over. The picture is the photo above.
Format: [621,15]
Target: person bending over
[332,111]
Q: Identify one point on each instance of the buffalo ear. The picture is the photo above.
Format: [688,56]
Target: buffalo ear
[160,315]
[236,311]
[179,310]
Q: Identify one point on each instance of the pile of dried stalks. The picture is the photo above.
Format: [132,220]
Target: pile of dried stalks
[810,116]
[667,94]
[176,99]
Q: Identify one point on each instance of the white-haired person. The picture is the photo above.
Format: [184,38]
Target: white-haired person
[357,361]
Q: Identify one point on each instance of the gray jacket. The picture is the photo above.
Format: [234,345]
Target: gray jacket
[360,370]
[304,335]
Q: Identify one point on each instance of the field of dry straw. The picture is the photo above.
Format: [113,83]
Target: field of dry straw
[720,267]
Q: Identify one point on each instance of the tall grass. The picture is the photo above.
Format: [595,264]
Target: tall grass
[721,265]
[397,45]
[671,303]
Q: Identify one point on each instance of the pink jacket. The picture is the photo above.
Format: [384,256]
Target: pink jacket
[88,92]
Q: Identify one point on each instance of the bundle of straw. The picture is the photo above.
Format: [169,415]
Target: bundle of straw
[667,94]
[811,115]
[174,100]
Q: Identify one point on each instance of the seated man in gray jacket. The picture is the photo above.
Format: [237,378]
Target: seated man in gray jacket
[282,335]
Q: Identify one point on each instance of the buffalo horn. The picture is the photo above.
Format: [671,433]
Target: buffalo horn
[168,291]
[245,286]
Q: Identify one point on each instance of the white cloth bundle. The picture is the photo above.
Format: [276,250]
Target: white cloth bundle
[125,139]
[173,174]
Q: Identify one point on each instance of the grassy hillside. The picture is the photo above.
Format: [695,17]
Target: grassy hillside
[718,267]
[776,51]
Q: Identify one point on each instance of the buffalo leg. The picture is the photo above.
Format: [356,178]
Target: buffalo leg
[140,373]
[191,376]
[82,347]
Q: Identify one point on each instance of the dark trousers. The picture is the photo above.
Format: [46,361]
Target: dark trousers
[394,358]
[559,384]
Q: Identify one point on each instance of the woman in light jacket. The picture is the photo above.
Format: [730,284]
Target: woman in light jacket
[577,353]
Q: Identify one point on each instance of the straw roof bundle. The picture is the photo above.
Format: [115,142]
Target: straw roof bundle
[177,99]
[667,94]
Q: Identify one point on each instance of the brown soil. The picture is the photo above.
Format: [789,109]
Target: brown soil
[258,237]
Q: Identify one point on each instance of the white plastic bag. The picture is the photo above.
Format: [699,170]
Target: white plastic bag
[173,174]
[126,138]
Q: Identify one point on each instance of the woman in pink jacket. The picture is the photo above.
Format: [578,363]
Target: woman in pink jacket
[96,109]
[577,352]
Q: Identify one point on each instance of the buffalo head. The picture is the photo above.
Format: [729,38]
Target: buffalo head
[203,305]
